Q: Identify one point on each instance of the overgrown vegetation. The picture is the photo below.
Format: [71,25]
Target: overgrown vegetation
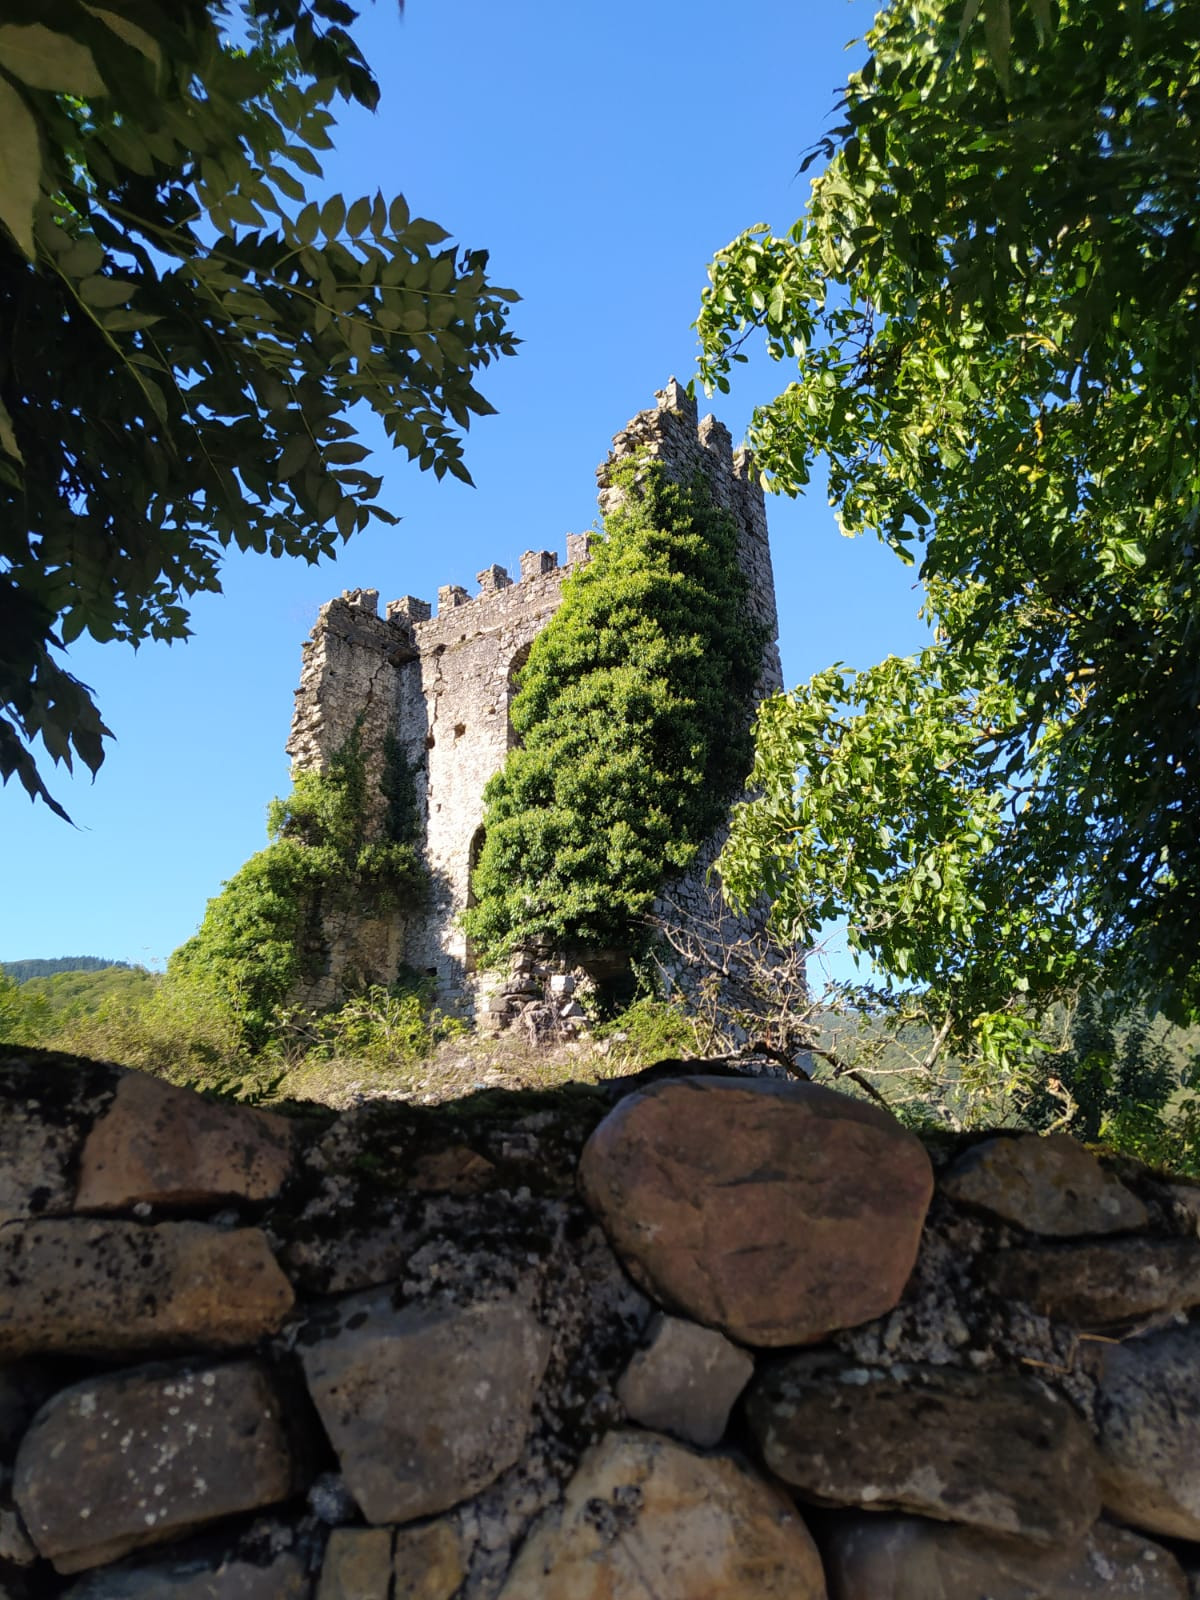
[179,1027]
[165,282]
[992,302]
[263,933]
[631,716]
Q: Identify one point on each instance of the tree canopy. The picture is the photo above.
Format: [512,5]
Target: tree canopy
[182,332]
[992,300]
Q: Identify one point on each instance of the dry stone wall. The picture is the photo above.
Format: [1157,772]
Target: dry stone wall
[697,1334]
[440,686]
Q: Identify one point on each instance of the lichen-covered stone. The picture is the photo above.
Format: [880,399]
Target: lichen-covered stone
[1100,1282]
[425,1405]
[132,1458]
[646,1517]
[424,1563]
[778,1212]
[685,1381]
[49,1103]
[427,1563]
[357,1565]
[162,1145]
[15,1544]
[1148,1420]
[83,1285]
[1047,1184]
[996,1452]
[905,1558]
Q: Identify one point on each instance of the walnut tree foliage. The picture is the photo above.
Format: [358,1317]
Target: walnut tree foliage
[993,303]
[631,719]
[182,332]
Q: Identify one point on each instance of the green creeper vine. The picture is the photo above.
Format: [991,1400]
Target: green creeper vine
[633,727]
[262,934]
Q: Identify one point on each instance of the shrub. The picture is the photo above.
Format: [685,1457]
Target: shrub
[262,934]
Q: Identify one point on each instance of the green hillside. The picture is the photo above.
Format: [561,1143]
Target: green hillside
[22,971]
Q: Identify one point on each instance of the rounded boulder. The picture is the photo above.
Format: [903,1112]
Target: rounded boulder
[778,1212]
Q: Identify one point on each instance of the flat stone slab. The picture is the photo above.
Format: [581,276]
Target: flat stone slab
[132,1458]
[1101,1282]
[162,1145]
[79,1284]
[644,1518]
[777,1212]
[685,1381]
[904,1558]
[1148,1425]
[427,1404]
[282,1578]
[1046,1184]
[992,1451]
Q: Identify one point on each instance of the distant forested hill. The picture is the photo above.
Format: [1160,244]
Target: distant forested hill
[19,971]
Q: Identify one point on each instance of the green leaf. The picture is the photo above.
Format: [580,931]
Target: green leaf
[358,217]
[1042,17]
[126,321]
[333,215]
[20,166]
[84,258]
[137,38]
[47,60]
[8,439]
[296,453]
[101,291]
[307,225]
[997,27]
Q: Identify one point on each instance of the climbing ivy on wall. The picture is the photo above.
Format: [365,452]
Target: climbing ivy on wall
[262,934]
[632,717]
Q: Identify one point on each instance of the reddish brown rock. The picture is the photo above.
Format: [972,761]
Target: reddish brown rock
[424,1405]
[778,1212]
[998,1453]
[97,1287]
[132,1458]
[644,1516]
[1095,1284]
[1045,1183]
[167,1146]
[904,1558]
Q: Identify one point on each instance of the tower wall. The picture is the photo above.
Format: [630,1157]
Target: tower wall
[440,685]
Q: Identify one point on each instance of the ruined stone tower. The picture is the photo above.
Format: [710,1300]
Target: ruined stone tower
[435,690]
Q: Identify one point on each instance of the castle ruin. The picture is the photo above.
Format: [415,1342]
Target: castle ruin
[434,689]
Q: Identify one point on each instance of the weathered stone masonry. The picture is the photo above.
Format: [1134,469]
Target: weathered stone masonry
[440,686]
[683,1337]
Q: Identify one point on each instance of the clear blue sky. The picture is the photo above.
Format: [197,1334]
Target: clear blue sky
[602,154]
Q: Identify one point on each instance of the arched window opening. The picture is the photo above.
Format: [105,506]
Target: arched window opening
[515,668]
[474,850]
